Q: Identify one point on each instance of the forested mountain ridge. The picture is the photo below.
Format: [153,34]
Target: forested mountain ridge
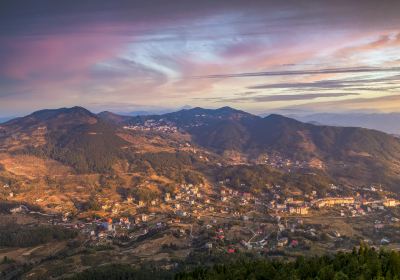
[73,136]
[351,152]
[90,142]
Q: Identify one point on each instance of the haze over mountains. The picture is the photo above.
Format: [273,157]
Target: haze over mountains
[389,122]
[93,143]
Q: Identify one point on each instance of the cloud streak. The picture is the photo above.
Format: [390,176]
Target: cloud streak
[350,70]
[281,97]
[384,103]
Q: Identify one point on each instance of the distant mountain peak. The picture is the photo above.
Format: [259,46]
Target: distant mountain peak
[111,117]
[193,109]
[227,109]
[277,117]
[186,107]
[58,116]
[105,113]
[53,112]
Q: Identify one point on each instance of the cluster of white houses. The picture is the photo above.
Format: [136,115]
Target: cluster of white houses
[301,207]
[152,125]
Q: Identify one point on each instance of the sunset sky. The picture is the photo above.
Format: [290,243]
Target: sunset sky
[259,56]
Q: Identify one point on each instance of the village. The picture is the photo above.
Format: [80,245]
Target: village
[152,125]
[230,221]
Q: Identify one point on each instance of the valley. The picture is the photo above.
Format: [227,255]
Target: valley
[169,192]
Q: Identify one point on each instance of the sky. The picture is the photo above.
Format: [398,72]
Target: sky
[259,56]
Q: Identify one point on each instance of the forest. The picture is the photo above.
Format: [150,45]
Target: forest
[14,235]
[363,263]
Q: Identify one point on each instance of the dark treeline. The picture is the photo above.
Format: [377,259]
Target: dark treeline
[86,148]
[14,235]
[121,272]
[364,263]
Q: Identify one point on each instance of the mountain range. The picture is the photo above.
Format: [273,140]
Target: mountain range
[90,142]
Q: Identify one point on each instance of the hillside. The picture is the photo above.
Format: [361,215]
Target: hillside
[347,153]
[73,136]
[93,143]
[161,189]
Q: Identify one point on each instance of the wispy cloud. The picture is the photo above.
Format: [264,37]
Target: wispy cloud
[281,97]
[384,103]
[334,83]
[303,72]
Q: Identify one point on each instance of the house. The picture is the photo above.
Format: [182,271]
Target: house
[243,202]
[247,245]
[108,225]
[385,241]
[280,206]
[282,242]
[105,207]
[144,218]
[248,196]
[294,243]
[181,213]
[331,201]
[300,210]
[390,202]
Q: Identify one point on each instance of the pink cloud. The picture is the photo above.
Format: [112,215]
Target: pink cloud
[384,41]
[57,56]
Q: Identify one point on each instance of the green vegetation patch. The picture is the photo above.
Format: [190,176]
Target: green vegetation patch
[13,235]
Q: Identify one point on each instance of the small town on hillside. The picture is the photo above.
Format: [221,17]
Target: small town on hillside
[231,221]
